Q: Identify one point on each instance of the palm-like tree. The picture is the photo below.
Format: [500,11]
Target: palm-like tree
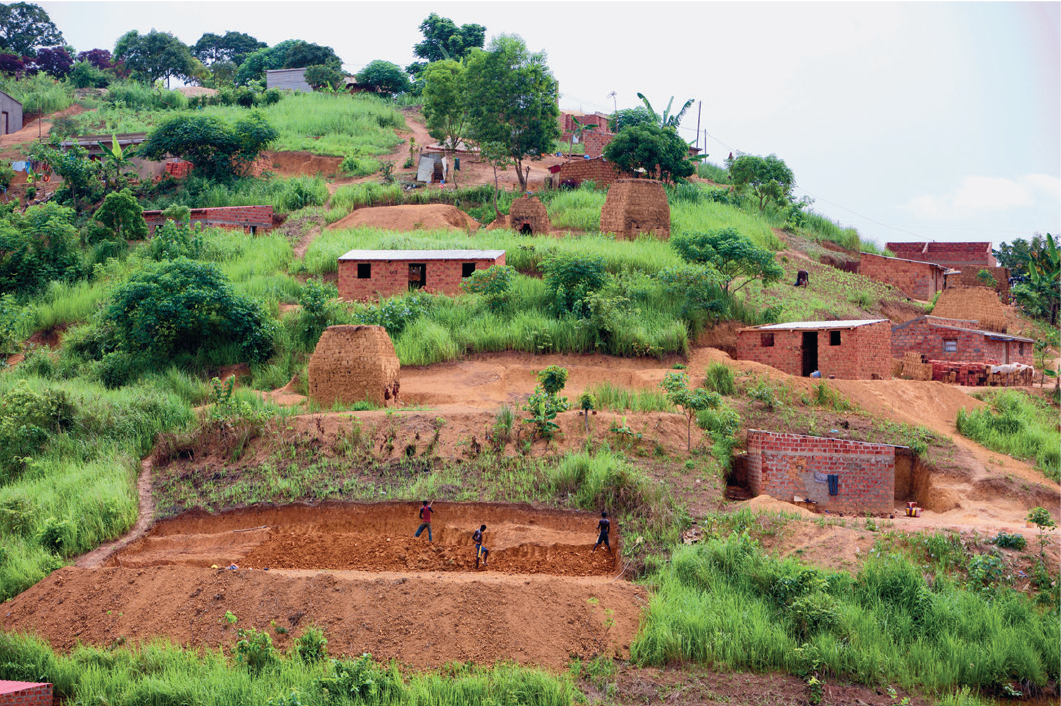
[667,119]
[117,157]
[577,132]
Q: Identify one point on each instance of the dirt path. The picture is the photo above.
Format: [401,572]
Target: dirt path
[40,127]
[144,521]
[307,239]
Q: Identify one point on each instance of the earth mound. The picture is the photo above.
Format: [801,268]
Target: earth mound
[434,216]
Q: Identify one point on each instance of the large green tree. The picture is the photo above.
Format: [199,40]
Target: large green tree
[1035,271]
[733,256]
[155,55]
[511,100]
[232,46]
[302,54]
[217,150]
[444,111]
[25,27]
[768,178]
[37,247]
[443,39]
[385,77]
[657,150]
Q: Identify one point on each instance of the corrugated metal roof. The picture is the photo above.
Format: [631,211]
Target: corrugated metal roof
[363,255]
[812,325]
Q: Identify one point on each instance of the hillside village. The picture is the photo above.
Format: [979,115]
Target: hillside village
[720,448]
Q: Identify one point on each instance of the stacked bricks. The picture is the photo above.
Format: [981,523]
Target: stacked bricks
[864,353]
[917,280]
[595,141]
[529,213]
[178,169]
[925,336]
[354,363]
[957,256]
[970,278]
[636,206]
[245,218]
[391,277]
[22,693]
[914,367]
[783,466]
[599,171]
[972,303]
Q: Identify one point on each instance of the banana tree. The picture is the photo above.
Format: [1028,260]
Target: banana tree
[116,157]
[577,132]
[667,119]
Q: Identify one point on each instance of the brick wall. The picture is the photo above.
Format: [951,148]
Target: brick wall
[783,466]
[968,278]
[597,170]
[23,693]
[178,169]
[958,256]
[864,352]
[391,277]
[925,335]
[918,280]
[260,218]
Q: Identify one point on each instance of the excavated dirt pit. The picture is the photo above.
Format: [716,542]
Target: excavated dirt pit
[356,571]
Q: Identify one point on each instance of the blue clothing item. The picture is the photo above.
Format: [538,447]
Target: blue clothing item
[423,526]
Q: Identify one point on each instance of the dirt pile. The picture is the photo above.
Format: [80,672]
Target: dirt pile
[302,163]
[354,363]
[636,206]
[436,216]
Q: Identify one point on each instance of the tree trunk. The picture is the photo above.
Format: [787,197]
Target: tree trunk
[519,175]
[496,209]
[689,435]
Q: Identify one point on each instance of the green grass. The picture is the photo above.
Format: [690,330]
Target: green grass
[707,215]
[727,603]
[621,399]
[284,195]
[38,94]
[714,172]
[1017,424]
[577,209]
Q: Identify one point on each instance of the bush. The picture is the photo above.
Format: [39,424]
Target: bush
[311,645]
[218,150]
[255,649]
[1009,541]
[38,247]
[570,278]
[59,536]
[493,284]
[720,379]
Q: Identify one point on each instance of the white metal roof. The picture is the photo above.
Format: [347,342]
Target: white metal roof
[363,255]
[814,325]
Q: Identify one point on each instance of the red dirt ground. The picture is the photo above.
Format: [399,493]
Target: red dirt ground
[409,218]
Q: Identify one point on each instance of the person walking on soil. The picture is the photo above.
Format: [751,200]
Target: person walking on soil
[481,552]
[425,519]
[604,526]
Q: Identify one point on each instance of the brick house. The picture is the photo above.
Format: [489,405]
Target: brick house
[599,170]
[365,274]
[789,466]
[594,140]
[852,350]
[25,693]
[956,256]
[914,278]
[253,220]
[959,340]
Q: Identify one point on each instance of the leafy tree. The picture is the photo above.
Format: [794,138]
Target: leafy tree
[698,286]
[657,150]
[11,65]
[54,61]
[183,307]
[218,151]
[570,278]
[496,154]
[258,62]
[79,173]
[155,55]
[1035,270]
[322,76]
[100,58]
[123,215]
[676,387]
[731,254]
[668,119]
[545,402]
[85,75]
[37,247]
[25,26]
[768,178]
[443,40]
[385,77]
[232,47]
[493,284]
[444,111]
[628,117]
[302,54]
[511,101]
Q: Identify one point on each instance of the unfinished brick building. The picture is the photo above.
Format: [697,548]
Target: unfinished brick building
[24,693]
[955,256]
[971,278]
[938,338]
[600,171]
[834,474]
[352,364]
[529,216]
[594,141]
[367,274]
[253,220]
[852,350]
[915,279]
[636,206]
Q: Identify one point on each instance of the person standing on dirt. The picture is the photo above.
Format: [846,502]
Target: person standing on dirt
[604,527]
[425,519]
[481,552]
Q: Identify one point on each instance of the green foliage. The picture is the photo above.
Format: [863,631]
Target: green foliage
[570,278]
[731,254]
[668,119]
[494,284]
[1006,540]
[28,420]
[231,47]
[1035,267]
[630,117]
[322,76]
[720,379]
[987,279]
[80,174]
[123,216]
[37,247]
[11,318]
[155,55]
[255,649]
[552,379]
[657,150]
[444,40]
[395,313]
[311,646]
[676,385]
[768,178]
[1017,424]
[545,403]
[445,113]
[384,77]
[620,399]
[59,536]
[25,27]
[699,287]
[217,150]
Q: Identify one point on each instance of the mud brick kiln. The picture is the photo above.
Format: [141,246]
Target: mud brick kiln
[352,364]
[636,206]
[528,216]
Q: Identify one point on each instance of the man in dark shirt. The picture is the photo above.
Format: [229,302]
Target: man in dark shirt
[480,551]
[604,526]
[425,520]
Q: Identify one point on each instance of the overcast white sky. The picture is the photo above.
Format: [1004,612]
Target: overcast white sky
[907,120]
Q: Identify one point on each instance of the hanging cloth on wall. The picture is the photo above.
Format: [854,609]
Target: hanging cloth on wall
[821,477]
[834,484]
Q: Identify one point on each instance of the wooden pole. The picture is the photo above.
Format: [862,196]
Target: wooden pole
[698,107]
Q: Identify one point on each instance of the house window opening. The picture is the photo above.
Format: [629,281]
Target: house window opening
[467,269]
[834,338]
[364,270]
[950,345]
[766,340]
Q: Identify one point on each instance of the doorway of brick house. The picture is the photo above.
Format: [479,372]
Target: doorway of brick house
[417,275]
[810,352]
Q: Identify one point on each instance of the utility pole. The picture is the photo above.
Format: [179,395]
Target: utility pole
[698,107]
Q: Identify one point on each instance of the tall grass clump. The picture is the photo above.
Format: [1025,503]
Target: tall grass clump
[728,602]
[136,96]
[698,217]
[713,172]
[577,209]
[38,94]
[622,399]
[719,378]
[1017,424]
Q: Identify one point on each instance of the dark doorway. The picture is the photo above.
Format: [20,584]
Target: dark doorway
[810,352]
[525,229]
[7,125]
[417,275]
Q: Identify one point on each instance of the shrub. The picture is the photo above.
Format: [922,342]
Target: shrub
[38,247]
[720,379]
[255,649]
[123,216]
[570,278]
[60,536]
[218,151]
[493,284]
[311,645]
